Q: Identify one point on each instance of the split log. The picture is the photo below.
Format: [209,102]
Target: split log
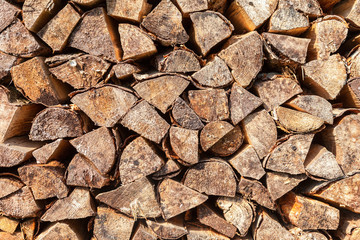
[213,132]
[327,5]
[247,163]
[200,232]
[104,105]
[244,56]
[124,70]
[105,41]
[56,60]
[204,25]
[326,34]
[165,22]
[296,121]
[228,144]
[343,193]
[16,40]
[172,229]
[57,150]
[136,199]
[214,74]
[185,143]
[20,204]
[45,180]
[238,212]
[169,170]
[57,122]
[57,31]
[212,177]
[63,230]
[322,163]
[77,205]
[84,71]
[180,60]
[139,159]
[185,116]
[289,157]
[308,234]
[143,233]
[176,198]
[128,9]
[278,184]
[348,10]
[350,94]
[218,5]
[307,213]
[287,20]
[8,13]
[34,81]
[248,16]
[8,185]
[260,131]
[188,6]
[28,229]
[109,224]
[171,87]
[9,236]
[242,103]
[209,104]
[7,62]
[276,90]
[135,43]
[254,190]
[144,120]
[87,3]
[17,150]
[309,7]
[82,172]
[314,105]
[353,63]
[8,224]
[349,227]
[209,217]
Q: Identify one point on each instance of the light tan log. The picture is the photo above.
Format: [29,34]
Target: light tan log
[7,62]
[287,20]
[63,230]
[350,94]
[180,60]
[185,143]
[278,184]
[189,6]
[172,229]
[57,150]
[201,232]
[143,233]
[124,70]
[9,184]
[8,13]
[185,116]
[8,224]
[128,9]
[309,7]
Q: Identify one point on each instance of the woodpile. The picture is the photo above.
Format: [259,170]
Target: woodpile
[179,119]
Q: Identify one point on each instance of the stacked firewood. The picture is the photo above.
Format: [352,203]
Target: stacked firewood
[179,119]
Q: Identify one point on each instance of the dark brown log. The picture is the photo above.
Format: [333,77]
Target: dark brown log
[7,62]
[242,103]
[308,234]
[63,230]
[185,116]
[327,5]
[77,205]
[57,122]
[213,132]
[209,217]
[289,156]
[244,56]
[139,159]
[254,190]
[287,20]
[88,3]
[349,227]
[135,43]
[200,232]
[143,233]
[8,224]
[8,13]
[204,25]
[179,60]
[56,150]
[247,163]
[212,177]
[278,184]
[128,9]
[350,94]
[8,185]
[136,199]
[176,198]
[229,143]
[260,131]
[144,120]
[349,11]
[105,42]
[124,70]
[276,90]
[171,87]
[104,105]
[57,31]
[109,224]
[28,229]
[169,170]
[218,5]
[309,7]
[238,212]
[45,180]
[165,22]
[16,150]
[189,6]
[308,213]
[185,143]
[172,229]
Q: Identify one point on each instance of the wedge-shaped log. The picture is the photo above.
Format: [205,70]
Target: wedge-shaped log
[289,156]
[308,234]
[212,177]
[7,62]
[307,213]
[143,233]
[201,232]
[176,198]
[309,7]
[8,224]
[348,10]
[109,224]
[248,16]
[77,205]
[209,29]
[185,143]
[180,60]
[350,94]
[189,6]
[349,227]
[165,22]
[45,180]
[171,229]
[8,13]
[144,120]
[287,20]
[9,184]
[57,150]
[98,26]
[244,56]
[136,199]
[105,105]
[171,87]
[237,211]
[35,81]
[169,170]
[28,228]
[278,184]
[139,159]
[135,43]
[213,132]
[260,131]
[127,9]
[185,116]
[353,63]
[124,70]
[65,230]
[57,122]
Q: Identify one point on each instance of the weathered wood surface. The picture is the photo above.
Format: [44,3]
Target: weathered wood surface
[180,60]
